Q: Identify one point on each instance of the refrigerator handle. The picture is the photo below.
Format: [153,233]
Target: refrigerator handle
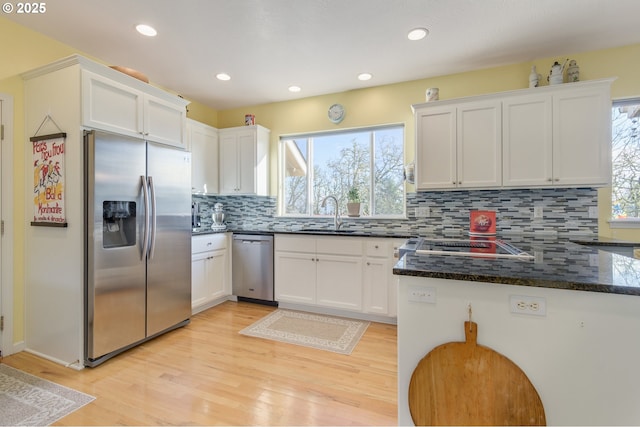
[145,238]
[152,191]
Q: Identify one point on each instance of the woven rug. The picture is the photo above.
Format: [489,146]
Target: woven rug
[26,400]
[329,333]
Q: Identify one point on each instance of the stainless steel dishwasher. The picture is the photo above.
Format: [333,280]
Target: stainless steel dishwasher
[252,260]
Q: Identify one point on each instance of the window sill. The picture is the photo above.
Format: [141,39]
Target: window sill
[624,223]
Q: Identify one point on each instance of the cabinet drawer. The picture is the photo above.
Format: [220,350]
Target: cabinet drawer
[339,246]
[378,248]
[295,244]
[209,242]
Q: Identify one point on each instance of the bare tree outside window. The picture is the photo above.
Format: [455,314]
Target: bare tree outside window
[320,165]
[625,185]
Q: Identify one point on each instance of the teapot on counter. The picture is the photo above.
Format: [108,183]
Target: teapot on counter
[556,73]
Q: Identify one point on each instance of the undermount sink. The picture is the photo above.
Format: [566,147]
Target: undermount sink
[327,230]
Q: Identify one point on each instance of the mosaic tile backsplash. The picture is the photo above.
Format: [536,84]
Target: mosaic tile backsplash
[565,213]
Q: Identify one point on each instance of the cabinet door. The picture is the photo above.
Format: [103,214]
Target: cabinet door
[436,148]
[217,274]
[199,286]
[479,144]
[111,106]
[164,122]
[527,145]
[295,277]
[339,282]
[229,163]
[582,137]
[208,277]
[203,144]
[377,281]
[246,142]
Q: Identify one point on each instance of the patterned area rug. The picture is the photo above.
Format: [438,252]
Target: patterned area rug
[310,330]
[26,400]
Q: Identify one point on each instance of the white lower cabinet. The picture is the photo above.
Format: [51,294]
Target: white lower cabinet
[345,273]
[295,276]
[339,281]
[210,281]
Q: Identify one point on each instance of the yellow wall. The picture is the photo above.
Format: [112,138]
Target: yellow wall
[24,49]
[391,104]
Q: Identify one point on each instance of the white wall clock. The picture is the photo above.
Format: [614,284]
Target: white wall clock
[336,113]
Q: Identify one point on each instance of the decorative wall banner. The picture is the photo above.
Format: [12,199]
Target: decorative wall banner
[48,180]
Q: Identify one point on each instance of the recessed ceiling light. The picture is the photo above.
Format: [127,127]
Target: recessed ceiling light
[417,34]
[223,76]
[294,89]
[146,30]
[365,76]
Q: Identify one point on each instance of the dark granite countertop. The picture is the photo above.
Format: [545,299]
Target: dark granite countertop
[558,263]
[308,231]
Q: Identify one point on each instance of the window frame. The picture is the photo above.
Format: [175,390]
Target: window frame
[628,223]
[310,135]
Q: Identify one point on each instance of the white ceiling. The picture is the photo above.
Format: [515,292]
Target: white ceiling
[322,45]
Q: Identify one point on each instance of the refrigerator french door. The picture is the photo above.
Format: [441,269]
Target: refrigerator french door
[138,245]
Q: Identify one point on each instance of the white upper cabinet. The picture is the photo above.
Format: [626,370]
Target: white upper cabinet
[458,145]
[202,141]
[244,160]
[527,141]
[561,137]
[479,145]
[436,153]
[117,106]
[582,136]
[556,135]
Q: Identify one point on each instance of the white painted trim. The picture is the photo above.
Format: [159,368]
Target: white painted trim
[625,223]
[6,212]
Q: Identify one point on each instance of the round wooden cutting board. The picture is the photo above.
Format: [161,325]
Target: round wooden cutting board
[463,383]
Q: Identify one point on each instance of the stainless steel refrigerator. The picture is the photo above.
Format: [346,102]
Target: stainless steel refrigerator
[138,242]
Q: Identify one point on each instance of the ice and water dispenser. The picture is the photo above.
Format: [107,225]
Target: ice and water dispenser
[118,224]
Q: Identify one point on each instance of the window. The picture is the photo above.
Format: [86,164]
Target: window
[625,183]
[315,166]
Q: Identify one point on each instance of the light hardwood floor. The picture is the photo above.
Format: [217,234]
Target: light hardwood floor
[208,374]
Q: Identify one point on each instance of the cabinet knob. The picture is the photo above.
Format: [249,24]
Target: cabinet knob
[549,179]
[376,246]
[368,263]
[557,179]
[459,182]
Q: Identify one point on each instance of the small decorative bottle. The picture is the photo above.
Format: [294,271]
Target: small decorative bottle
[534,77]
[573,72]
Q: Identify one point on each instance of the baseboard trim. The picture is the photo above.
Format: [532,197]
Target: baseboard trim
[337,312]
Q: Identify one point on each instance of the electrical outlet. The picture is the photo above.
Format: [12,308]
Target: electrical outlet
[537,212]
[423,212]
[593,212]
[520,304]
[538,257]
[422,294]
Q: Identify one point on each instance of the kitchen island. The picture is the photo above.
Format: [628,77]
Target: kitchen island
[579,346]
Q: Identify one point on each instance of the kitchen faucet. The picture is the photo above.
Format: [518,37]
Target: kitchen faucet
[337,222]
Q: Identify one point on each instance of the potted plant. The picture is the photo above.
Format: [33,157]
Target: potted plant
[353,202]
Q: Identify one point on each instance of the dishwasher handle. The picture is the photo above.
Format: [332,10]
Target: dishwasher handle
[253,242]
